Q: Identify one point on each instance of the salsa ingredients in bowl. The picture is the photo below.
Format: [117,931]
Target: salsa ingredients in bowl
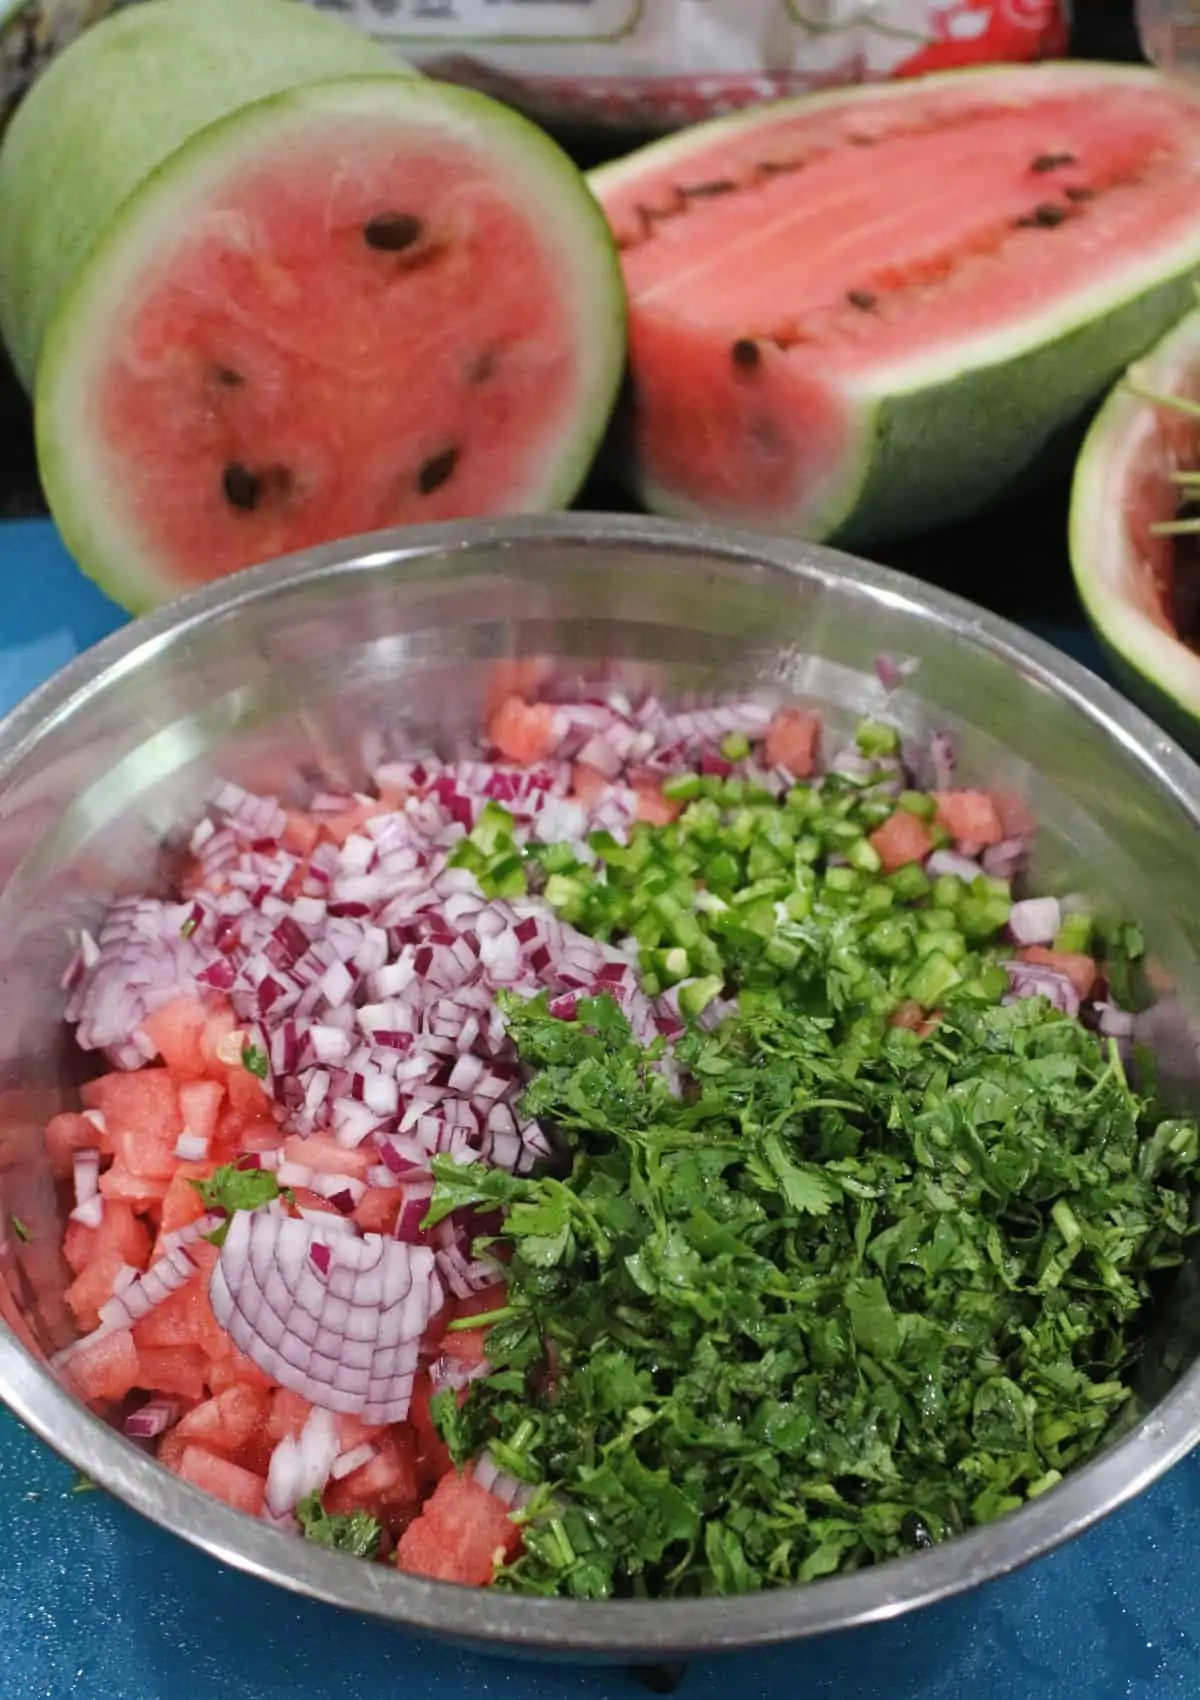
[643,1158]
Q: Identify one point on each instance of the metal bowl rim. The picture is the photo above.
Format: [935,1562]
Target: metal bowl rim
[614,1629]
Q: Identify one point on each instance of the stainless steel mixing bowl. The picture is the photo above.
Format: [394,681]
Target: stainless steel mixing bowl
[288,666]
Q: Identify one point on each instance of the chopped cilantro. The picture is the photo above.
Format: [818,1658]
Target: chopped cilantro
[20,1229]
[231,1188]
[188,927]
[84,1484]
[840,1289]
[353,1532]
[254,1060]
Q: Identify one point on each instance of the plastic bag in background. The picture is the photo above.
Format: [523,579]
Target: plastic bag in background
[659,64]
[1170,34]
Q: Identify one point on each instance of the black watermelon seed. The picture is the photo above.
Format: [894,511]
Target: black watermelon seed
[746,354]
[1052,162]
[704,191]
[1045,217]
[392,232]
[228,378]
[482,367]
[438,470]
[243,488]
[862,299]
[1080,193]
[777,167]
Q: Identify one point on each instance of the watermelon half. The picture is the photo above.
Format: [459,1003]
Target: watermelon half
[1135,530]
[361,301]
[867,313]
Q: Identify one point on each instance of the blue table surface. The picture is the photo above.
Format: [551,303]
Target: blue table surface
[96,1603]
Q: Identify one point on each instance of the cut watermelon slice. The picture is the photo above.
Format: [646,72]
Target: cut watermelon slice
[867,313]
[1139,582]
[359,302]
[118,103]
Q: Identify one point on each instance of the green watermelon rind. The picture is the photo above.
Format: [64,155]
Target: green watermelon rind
[74,348]
[122,98]
[939,437]
[1153,666]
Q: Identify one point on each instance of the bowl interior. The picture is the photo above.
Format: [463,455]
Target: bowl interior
[315,669]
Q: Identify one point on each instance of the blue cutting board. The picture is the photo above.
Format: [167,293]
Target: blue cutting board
[96,1604]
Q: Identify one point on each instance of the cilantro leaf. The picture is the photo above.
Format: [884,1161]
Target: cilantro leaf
[353,1532]
[231,1188]
[255,1061]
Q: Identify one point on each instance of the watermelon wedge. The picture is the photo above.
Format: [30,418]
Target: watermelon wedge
[867,313]
[362,300]
[113,107]
[1135,530]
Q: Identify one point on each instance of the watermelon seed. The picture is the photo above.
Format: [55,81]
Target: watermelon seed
[746,354]
[482,367]
[438,470]
[1052,162]
[777,167]
[1080,193]
[227,377]
[862,299]
[704,191]
[392,232]
[243,488]
[1045,217]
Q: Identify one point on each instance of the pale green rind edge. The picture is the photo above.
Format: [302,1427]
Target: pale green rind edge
[938,449]
[79,502]
[1153,667]
[118,101]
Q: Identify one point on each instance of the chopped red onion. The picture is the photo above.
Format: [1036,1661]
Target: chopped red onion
[507,1488]
[949,862]
[1032,980]
[346,1340]
[347,1462]
[150,1420]
[1035,920]
[301,1464]
[1115,1023]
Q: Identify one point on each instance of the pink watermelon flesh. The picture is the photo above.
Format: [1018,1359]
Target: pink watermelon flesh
[351,337]
[771,270]
[1164,571]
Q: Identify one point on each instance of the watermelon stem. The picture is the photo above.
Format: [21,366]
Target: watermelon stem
[1176,528]
[1186,475]
[1177,403]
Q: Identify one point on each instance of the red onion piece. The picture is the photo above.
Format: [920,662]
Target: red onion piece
[1035,920]
[301,1464]
[1031,980]
[347,1462]
[347,1340]
[949,862]
[150,1420]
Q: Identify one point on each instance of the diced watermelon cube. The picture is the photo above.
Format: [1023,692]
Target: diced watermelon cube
[288,1415]
[93,1287]
[327,1157]
[182,1204]
[67,1134]
[224,1480]
[524,732]
[792,739]
[461,1532]
[902,839]
[176,1030]
[120,1232]
[144,1121]
[246,1095]
[378,1208]
[185,1317]
[106,1368]
[652,806]
[228,1422]
[180,1370]
[234,1369]
[970,817]
[199,1104]
[139,1190]
[388,1486]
